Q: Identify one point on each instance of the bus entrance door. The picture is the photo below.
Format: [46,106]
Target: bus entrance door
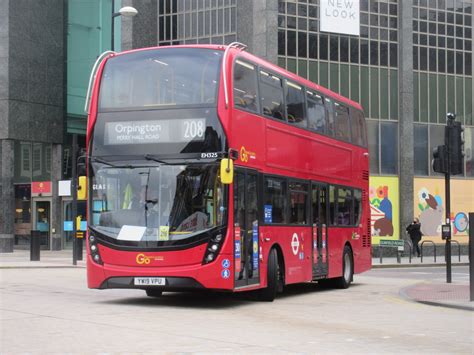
[320,218]
[246,231]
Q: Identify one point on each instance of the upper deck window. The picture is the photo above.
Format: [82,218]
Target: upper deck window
[359,135]
[295,104]
[316,112]
[162,77]
[342,123]
[271,92]
[245,86]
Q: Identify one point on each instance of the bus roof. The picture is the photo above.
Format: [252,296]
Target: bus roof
[260,61]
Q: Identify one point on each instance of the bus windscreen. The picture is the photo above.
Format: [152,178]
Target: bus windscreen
[154,78]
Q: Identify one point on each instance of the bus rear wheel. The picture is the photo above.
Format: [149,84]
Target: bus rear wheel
[274,279]
[153,293]
[347,269]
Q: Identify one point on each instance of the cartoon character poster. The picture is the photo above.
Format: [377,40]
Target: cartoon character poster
[384,208]
[430,207]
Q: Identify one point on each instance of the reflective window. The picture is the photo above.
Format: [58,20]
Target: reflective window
[332,204]
[344,207]
[295,104]
[373,139]
[298,202]
[420,142]
[275,199]
[358,129]
[245,86]
[154,78]
[341,123]
[389,148]
[271,95]
[316,112]
[357,206]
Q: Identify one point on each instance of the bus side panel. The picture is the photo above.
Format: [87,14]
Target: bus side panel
[337,237]
[295,243]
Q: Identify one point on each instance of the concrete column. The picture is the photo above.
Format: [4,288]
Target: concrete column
[406,113]
[56,208]
[7,197]
[142,30]
[257,27]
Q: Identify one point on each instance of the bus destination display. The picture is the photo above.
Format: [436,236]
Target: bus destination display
[156,131]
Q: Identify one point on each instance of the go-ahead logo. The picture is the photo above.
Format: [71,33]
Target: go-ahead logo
[143,259]
[245,155]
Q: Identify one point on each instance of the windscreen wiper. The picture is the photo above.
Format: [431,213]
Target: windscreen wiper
[151,157]
[105,162]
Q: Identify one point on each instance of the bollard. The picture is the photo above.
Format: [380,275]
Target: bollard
[79,248]
[35,245]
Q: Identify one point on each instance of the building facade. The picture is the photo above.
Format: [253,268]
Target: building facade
[408,65]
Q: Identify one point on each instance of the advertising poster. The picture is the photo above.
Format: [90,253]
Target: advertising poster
[429,206]
[384,208]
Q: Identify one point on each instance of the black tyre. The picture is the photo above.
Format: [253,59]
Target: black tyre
[347,269]
[153,293]
[273,278]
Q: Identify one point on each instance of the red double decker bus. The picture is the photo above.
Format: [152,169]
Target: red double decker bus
[210,168]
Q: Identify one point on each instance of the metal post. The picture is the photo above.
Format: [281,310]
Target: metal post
[448,202]
[471,255]
[113,26]
[74,198]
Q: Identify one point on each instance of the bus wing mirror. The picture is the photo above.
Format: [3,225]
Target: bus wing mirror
[82,188]
[227,171]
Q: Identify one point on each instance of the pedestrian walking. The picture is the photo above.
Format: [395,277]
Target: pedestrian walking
[414,231]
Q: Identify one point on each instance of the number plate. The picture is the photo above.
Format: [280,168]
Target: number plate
[149,281]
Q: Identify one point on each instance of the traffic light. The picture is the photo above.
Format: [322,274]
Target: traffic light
[440,160]
[456,148]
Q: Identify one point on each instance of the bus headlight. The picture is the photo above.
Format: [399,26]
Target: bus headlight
[213,247]
[94,249]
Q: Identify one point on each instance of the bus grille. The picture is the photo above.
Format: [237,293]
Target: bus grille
[366,237]
[365,175]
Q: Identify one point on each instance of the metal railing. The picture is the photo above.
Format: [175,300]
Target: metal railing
[459,249]
[399,261]
[421,249]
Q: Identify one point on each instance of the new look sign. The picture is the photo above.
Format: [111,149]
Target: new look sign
[340,16]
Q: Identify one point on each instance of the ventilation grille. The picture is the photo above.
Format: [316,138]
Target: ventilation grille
[365,175]
[366,241]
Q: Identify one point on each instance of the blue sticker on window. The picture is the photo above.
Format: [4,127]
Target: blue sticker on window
[255,245]
[268,213]
[237,249]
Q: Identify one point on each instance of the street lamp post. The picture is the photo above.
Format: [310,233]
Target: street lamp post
[126,11]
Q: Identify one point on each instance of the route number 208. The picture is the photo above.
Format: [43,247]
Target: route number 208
[194,129]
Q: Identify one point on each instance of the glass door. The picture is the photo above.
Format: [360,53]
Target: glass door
[319,195]
[246,234]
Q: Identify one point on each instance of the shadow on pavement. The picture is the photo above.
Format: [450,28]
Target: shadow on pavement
[219,300]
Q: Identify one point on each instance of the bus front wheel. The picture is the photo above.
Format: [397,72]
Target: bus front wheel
[347,269]
[273,278]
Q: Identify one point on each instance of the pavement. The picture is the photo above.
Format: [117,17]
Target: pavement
[452,295]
